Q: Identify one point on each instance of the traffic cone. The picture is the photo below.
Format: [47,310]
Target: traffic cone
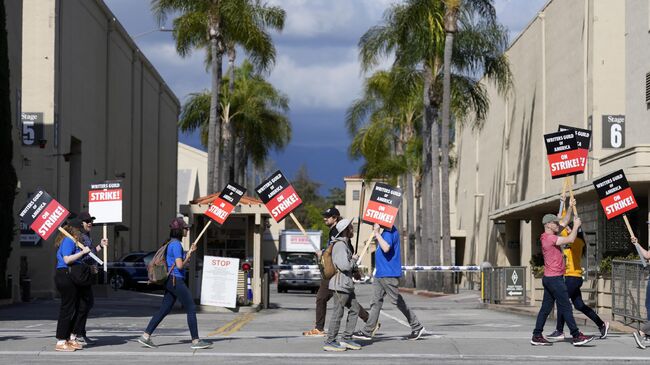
[249,287]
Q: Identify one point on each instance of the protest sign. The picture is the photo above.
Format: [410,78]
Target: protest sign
[278,196]
[583,142]
[615,194]
[383,205]
[564,157]
[44,215]
[105,202]
[225,203]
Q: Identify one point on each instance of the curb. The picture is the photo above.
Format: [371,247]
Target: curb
[422,293]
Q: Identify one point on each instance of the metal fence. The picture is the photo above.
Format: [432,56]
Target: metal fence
[507,283]
[629,281]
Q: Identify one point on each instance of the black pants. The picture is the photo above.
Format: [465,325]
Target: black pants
[68,292]
[83,305]
[573,285]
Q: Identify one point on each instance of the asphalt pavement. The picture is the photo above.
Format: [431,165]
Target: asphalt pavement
[459,330]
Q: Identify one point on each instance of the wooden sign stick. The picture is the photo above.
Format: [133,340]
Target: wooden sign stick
[365,248]
[629,229]
[80,245]
[295,220]
[563,196]
[575,210]
[105,235]
[196,240]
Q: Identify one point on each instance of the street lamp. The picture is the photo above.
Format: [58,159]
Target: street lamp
[161,29]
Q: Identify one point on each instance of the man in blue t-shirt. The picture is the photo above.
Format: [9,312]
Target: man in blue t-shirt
[389,270]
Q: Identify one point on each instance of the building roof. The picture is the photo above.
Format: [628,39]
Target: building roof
[245,200]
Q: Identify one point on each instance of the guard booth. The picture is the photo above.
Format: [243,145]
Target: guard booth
[249,235]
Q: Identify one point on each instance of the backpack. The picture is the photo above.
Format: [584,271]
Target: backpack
[157,268]
[329,270]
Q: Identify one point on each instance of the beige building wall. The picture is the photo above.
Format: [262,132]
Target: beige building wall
[569,68]
[192,174]
[108,115]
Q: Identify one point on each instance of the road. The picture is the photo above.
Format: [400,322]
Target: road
[459,331]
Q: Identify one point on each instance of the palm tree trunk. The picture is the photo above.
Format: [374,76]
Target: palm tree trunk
[448,285]
[423,247]
[214,124]
[228,148]
[434,252]
[410,227]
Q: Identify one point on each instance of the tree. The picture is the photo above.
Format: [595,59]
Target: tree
[413,32]
[9,180]
[483,32]
[215,25]
[254,108]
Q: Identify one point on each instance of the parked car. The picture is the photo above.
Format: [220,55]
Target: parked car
[130,270]
[299,278]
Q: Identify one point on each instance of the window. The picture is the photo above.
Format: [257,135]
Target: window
[355,194]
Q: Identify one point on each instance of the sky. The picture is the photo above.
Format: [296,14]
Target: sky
[316,66]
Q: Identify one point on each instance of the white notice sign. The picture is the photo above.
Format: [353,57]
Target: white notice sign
[219,281]
[105,202]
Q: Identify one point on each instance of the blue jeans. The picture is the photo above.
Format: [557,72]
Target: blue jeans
[555,291]
[173,292]
[573,285]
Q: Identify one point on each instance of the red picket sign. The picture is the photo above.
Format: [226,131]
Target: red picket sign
[564,156]
[383,205]
[615,194]
[279,197]
[43,214]
[221,207]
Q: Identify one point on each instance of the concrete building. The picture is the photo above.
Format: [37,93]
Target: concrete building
[192,174]
[89,107]
[579,63]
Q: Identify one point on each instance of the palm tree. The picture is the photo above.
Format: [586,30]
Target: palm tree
[390,107]
[480,30]
[413,31]
[213,25]
[254,108]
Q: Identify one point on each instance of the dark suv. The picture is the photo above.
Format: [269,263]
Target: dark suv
[130,270]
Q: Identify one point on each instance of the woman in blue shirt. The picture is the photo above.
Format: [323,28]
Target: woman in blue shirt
[67,254]
[175,287]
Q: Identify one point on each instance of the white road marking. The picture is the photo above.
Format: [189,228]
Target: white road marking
[403,323]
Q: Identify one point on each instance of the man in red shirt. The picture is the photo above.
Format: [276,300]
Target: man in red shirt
[554,287]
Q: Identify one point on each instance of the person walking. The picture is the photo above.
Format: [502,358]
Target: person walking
[331,216]
[388,271]
[342,287]
[175,287]
[573,281]
[67,255]
[555,290]
[642,336]
[85,297]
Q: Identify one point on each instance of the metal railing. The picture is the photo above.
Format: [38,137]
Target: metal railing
[629,282]
[507,283]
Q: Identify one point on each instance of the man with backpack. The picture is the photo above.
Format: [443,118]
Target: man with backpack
[331,217]
[343,262]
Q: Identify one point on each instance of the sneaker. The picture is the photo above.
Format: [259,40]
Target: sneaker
[556,336]
[604,330]
[334,346]
[582,339]
[415,334]
[147,342]
[75,344]
[200,344]
[360,335]
[314,333]
[638,339]
[349,344]
[374,330]
[64,347]
[539,340]
[85,340]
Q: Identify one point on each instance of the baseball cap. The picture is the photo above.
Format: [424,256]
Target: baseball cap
[342,225]
[548,218]
[85,217]
[331,212]
[178,223]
